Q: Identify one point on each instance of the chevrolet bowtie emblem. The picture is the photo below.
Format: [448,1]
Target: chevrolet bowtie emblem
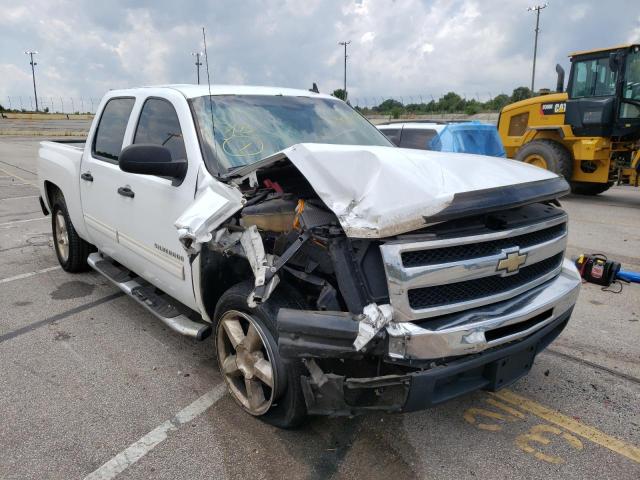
[512,263]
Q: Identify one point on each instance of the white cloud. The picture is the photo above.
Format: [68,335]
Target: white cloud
[427,48]
[400,48]
[367,37]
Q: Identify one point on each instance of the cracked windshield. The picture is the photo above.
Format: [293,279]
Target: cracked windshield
[249,128]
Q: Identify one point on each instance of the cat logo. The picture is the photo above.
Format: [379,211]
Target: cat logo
[553,108]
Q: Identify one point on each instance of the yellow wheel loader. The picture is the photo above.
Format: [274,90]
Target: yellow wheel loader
[589,134]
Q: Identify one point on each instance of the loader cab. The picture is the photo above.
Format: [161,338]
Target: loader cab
[604,93]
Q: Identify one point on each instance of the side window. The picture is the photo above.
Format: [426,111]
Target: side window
[159,125]
[518,124]
[419,139]
[113,123]
[392,134]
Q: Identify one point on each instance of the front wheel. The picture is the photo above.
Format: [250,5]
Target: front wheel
[259,380]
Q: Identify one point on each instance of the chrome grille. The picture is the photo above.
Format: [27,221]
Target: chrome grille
[464,252]
[427,278]
[474,289]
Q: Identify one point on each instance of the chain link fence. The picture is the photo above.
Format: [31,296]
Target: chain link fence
[49,104]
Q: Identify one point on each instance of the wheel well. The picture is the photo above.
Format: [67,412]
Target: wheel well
[218,273]
[52,191]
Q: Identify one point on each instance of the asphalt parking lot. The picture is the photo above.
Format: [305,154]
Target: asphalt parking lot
[91,385]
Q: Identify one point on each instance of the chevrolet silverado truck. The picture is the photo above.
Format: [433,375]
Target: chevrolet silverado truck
[336,273]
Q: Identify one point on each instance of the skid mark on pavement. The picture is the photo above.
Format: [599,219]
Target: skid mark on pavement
[140,448]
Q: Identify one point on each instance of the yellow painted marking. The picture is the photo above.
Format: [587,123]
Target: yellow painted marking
[506,408]
[471,414]
[536,434]
[590,433]
[19,178]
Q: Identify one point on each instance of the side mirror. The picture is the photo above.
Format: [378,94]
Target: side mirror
[151,160]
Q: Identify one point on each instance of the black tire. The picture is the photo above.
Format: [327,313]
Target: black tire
[587,188]
[288,409]
[78,249]
[557,158]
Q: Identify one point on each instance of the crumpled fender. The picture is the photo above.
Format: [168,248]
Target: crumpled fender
[214,203]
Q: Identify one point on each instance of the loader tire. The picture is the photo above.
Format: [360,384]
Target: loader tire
[547,154]
[587,188]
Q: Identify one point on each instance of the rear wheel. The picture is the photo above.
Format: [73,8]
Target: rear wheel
[259,380]
[547,154]
[71,250]
[585,188]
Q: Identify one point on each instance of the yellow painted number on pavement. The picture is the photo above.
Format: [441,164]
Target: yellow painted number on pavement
[536,435]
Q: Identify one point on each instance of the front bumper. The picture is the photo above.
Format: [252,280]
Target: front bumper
[490,370]
[487,348]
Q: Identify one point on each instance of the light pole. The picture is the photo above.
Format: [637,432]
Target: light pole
[537,9]
[198,63]
[31,53]
[345,66]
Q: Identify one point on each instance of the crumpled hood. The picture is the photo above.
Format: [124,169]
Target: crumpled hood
[379,192]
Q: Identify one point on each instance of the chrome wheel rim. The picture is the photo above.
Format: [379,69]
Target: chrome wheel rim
[245,360]
[62,236]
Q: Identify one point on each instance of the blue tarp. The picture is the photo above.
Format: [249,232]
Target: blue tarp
[469,137]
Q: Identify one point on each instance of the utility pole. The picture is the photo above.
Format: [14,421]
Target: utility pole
[345,66]
[198,63]
[537,9]
[31,53]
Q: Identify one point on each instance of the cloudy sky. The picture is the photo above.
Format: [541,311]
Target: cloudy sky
[399,48]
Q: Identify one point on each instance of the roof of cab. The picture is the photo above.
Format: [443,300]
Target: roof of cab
[192,90]
[596,50]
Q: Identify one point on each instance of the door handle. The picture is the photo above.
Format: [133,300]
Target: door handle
[87,176]
[126,192]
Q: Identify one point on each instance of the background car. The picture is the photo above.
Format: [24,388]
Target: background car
[462,137]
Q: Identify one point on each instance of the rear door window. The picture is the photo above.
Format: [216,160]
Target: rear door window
[417,138]
[159,125]
[107,142]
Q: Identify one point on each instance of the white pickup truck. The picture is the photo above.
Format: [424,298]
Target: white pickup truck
[338,274]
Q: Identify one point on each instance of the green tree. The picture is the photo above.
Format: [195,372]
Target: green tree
[498,103]
[451,102]
[339,93]
[389,105]
[472,107]
[521,93]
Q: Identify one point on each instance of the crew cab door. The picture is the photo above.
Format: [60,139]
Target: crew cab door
[100,174]
[150,205]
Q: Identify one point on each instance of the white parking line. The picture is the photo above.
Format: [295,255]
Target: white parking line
[11,224]
[20,198]
[140,448]
[29,274]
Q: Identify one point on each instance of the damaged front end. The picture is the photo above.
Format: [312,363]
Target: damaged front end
[334,222]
